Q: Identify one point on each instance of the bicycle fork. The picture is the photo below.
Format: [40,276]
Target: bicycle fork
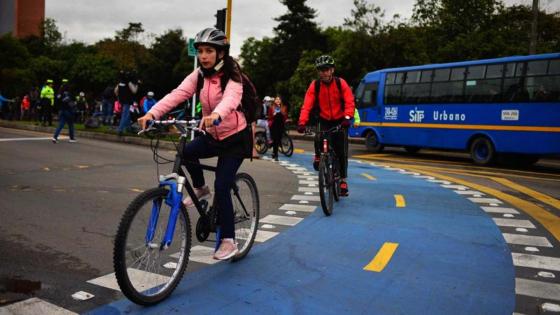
[173,199]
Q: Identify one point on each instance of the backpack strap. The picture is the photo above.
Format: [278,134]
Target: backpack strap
[339,86]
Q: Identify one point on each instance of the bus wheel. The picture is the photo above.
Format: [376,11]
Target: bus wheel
[412,150]
[482,151]
[372,142]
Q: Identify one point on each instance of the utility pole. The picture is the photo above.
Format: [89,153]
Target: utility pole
[533,39]
[228,20]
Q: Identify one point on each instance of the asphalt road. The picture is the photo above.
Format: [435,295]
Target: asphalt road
[61,204]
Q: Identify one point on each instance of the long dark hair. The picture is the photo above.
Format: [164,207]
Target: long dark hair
[231,70]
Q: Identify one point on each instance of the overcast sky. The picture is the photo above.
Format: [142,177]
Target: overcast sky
[90,21]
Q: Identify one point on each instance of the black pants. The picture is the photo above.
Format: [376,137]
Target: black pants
[46,114]
[201,148]
[276,132]
[339,142]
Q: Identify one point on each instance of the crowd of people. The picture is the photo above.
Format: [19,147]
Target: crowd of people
[63,102]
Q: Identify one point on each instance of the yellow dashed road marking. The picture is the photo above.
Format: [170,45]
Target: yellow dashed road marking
[366,175]
[136,190]
[382,258]
[400,202]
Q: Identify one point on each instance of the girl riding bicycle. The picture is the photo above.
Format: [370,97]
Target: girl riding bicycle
[227,134]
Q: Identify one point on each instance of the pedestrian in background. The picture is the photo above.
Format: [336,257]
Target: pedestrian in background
[66,114]
[149,102]
[25,106]
[107,107]
[47,103]
[125,91]
[276,120]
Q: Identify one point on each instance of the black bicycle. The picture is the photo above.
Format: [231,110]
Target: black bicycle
[286,146]
[329,173]
[153,240]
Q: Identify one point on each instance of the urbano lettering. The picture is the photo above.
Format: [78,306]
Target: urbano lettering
[443,115]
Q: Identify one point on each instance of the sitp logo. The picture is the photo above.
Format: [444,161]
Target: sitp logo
[416,115]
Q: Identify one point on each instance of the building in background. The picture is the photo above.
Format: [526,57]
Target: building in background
[21,17]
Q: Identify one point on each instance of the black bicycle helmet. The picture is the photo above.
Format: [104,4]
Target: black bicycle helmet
[324,61]
[211,36]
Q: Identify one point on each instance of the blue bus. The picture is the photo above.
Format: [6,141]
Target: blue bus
[507,107]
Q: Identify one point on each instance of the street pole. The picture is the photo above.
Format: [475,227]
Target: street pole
[533,40]
[228,20]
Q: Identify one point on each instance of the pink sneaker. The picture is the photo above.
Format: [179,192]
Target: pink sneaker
[202,193]
[228,249]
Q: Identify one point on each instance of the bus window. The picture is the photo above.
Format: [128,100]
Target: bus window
[458,74]
[369,96]
[514,91]
[390,78]
[494,71]
[441,75]
[537,67]
[426,76]
[416,93]
[475,72]
[509,71]
[554,67]
[359,90]
[519,69]
[399,78]
[393,94]
[412,77]
[447,92]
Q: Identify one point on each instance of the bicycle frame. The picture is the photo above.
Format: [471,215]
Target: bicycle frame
[176,181]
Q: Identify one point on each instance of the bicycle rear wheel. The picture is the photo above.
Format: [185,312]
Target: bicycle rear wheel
[146,271]
[286,145]
[246,210]
[260,142]
[326,192]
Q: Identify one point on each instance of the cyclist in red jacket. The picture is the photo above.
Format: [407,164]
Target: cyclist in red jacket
[335,102]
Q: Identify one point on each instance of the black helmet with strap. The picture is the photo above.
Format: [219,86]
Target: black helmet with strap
[324,61]
[212,36]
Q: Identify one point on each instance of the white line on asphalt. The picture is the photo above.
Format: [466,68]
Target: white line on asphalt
[491,201]
[307,198]
[81,296]
[142,280]
[267,226]
[302,208]
[457,187]
[29,139]
[423,177]
[546,274]
[536,261]
[308,177]
[528,240]
[531,249]
[468,192]
[308,189]
[499,210]
[538,289]
[282,220]
[438,181]
[201,254]
[34,306]
[308,182]
[514,223]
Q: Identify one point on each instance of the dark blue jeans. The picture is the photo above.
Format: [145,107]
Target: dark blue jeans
[64,117]
[125,118]
[201,148]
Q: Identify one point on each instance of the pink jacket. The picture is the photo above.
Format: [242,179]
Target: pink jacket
[212,100]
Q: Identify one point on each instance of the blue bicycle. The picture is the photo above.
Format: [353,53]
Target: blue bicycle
[151,253]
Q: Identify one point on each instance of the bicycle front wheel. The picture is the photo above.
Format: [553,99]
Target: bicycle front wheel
[326,192]
[146,271]
[286,145]
[246,210]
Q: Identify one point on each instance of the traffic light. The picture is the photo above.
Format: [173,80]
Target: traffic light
[221,19]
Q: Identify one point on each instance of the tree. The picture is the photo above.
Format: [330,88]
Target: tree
[365,18]
[130,33]
[50,34]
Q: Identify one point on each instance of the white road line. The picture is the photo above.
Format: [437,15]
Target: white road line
[308,189]
[538,289]
[29,139]
[536,261]
[457,187]
[486,200]
[80,296]
[423,177]
[34,306]
[307,198]
[297,168]
[263,236]
[308,177]
[282,220]
[142,279]
[438,181]
[201,254]
[500,210]
[468,192]
[302,208]
[514,223]
[528,240]
[308,182]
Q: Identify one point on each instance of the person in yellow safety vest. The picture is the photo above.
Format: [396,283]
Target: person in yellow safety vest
[47,103]
[357,120]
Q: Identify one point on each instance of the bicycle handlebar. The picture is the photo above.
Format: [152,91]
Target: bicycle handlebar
[183,125]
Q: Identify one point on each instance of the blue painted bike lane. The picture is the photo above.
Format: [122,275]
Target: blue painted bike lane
[451,258]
